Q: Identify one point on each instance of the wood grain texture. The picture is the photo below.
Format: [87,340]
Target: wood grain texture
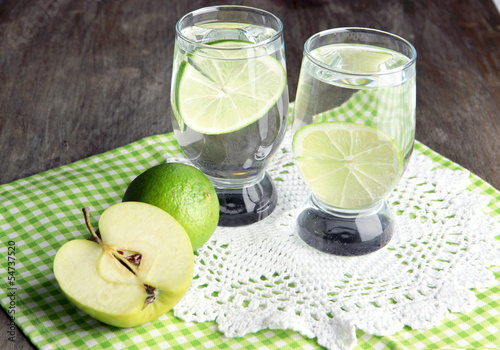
[78,78]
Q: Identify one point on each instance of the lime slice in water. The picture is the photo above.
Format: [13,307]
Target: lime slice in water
[356,58]
[223,91]
[347,165]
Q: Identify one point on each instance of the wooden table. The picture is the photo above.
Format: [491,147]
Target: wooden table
[78,78]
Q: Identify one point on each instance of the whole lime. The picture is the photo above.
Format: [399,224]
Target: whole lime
[182,191]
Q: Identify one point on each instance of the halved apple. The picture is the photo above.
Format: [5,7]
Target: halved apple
[135,270]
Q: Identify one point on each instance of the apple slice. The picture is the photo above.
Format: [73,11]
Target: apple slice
[135,271]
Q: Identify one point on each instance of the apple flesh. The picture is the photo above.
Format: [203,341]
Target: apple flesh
[137,268]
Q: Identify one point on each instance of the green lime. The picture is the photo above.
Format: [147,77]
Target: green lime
[357,58]
[347,165]
[220,91]
[182,191]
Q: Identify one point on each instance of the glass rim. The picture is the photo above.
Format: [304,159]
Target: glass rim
[275,36]
[404,67]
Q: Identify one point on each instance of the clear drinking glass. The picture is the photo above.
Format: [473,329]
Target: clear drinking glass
[229,99]
[353,134]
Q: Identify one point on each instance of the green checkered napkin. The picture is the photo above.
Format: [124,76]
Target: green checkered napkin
[42,212]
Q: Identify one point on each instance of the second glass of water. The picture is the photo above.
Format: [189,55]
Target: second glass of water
[354,129]
[229,98]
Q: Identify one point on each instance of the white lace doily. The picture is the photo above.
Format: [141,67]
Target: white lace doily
[264,276]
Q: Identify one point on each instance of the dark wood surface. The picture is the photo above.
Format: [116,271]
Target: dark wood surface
[78,78]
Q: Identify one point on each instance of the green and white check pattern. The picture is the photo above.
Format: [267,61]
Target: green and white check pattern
[40,213]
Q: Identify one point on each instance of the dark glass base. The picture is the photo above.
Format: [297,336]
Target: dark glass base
[247,205]
[345,235]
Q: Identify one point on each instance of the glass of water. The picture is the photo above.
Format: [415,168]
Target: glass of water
[229,98]
[353,134]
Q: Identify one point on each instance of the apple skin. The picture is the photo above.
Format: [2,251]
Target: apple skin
[96,282]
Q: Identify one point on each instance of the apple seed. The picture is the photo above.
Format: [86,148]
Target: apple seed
[134,259]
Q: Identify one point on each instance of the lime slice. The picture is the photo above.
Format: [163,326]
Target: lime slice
[347,165]
[356,58]
[224,90]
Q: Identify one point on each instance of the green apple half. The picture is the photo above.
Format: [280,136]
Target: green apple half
[135,270]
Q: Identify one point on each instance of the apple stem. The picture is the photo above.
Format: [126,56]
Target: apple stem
[86,215]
